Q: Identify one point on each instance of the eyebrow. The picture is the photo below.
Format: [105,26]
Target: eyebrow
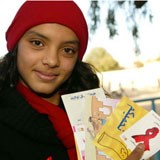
[37,34]
[72,42]
[43,36]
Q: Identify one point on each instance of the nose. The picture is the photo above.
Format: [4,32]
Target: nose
[51,58]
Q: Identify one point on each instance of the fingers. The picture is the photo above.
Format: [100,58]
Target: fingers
[137,152]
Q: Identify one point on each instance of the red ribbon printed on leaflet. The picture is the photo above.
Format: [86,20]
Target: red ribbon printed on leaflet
[150,133]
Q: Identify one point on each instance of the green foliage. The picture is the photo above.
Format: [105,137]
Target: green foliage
[94,14]
[131,9]
[102,60]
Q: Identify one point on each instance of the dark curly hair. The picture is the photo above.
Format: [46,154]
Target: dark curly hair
[8,69]
[82,78]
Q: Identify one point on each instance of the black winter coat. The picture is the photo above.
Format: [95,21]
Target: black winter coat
[24,133]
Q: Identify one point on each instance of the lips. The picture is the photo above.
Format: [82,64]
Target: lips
[46,76]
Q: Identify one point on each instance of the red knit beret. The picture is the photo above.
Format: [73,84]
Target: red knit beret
[33,13]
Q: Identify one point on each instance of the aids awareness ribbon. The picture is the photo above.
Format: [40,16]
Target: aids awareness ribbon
[150,133]
[49,158]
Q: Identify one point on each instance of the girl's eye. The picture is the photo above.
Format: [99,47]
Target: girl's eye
[37,43]
[69,51]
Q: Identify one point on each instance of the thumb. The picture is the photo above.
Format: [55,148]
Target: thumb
[137,152]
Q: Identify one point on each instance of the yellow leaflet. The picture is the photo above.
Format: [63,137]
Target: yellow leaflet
[108,139]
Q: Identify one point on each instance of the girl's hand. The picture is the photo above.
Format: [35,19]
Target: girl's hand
[137,152]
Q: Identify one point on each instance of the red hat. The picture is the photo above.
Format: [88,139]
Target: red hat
[33,13]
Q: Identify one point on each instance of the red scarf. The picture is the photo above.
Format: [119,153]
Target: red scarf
[56,115]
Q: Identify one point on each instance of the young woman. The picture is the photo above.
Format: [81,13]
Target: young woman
[46,42]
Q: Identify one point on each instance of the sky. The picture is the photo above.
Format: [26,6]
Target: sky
[121,47]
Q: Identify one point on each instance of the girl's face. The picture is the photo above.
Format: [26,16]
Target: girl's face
[46,57]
